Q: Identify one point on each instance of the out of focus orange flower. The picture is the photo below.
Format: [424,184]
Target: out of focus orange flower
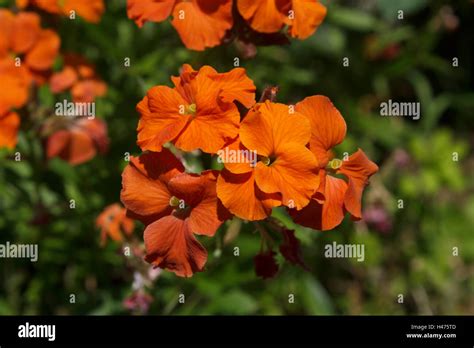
[269,16]
[90,10]
[21,36]
[79,76]
[78,141]
[200,23]
[335,196]
[113,223]
[174,205]
[9,124]
[198,113]
[286,172]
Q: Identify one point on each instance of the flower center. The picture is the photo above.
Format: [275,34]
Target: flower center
[191,109]
[174,201]
[335,164]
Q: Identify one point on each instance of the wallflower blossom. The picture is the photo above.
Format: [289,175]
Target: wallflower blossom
[175,206]
[80,77]
[286,171]
[113,223]
[198,113]
[269,16]
[90,10]
[200,23]
[78,140]
[335,196]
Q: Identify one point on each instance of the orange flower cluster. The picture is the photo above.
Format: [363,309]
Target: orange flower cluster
[90,10]
[27,53]
[206,23]
[273,154]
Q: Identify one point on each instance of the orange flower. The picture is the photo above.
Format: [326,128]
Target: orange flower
[286,170]
[78,141]
[335,196]
[112,222]
[9,125]
[174,205]
[200,23]
[270,16]
[79,76]
[199,112]
[21,35]
[90,10]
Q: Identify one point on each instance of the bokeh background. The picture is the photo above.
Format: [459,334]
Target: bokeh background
[408,251]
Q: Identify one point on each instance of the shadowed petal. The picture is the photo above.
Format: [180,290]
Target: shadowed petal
[170,244]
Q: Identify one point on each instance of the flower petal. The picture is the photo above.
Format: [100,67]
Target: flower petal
[142,11]
[74,146]
[250,203]
[293,174]
[87,91]
[171,245]
[90,10]
[9,125]
[26,30]
[7,20]
[268,127]
[235,85]
[210,129]
[265,16]
[328,215]
[63,80]
[358,169]
[202,23]
[328,127]
[161,118]
[44,52]
[308,15]
[236,158]
[209,214]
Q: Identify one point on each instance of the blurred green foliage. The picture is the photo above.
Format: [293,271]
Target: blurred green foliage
[407,60]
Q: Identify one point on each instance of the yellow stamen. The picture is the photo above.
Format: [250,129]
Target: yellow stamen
[191,109]
[174,201]
[335,164]
[265,160]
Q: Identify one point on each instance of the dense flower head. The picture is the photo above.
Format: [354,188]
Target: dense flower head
[272,154]
[208,23]
[90,10]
